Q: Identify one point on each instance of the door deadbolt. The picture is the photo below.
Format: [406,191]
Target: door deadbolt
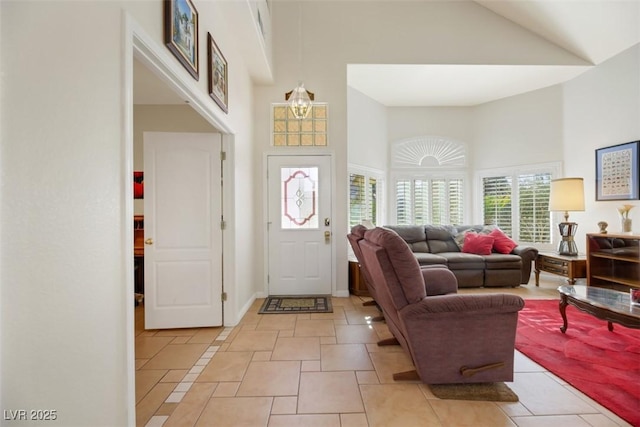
[327,222]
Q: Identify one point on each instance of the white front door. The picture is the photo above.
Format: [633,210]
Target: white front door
[183,237]
[299,225]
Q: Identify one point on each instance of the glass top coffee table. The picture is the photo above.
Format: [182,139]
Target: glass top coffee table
[606,304]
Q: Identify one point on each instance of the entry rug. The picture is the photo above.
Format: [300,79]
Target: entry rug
[297,304]
[492,392]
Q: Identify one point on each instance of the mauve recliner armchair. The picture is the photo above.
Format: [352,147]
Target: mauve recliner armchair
[450,338]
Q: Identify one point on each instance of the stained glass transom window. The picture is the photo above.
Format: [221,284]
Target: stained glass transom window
[291,132]
[299,190]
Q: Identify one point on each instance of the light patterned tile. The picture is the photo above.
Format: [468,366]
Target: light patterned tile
[345,357]
[314,328]
[472,413]
[284,405]
[387,364]
[353,420]
[356,334]
[296,348]
[310,366]
[329,392]
[236,411]
[191,406]
[544,396]
[254,341]
[152,401]
[226,366]
[175,376]
[551,421]
[273,378]
[176,357]
[226,389]
[329,420]
[147,380]
[367,377]
[386,405]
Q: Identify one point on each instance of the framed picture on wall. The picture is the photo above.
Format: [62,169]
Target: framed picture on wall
[617,175]
[181,33]
[218,74]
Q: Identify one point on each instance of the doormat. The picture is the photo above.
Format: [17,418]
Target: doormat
[297,304]
[492,392]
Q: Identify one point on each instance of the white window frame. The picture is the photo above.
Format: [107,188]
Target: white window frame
[514,172]
[379,176]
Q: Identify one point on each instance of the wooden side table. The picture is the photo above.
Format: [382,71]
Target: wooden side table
[571,267]
[357,284]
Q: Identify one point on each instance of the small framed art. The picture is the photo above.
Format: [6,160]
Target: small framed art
[617,175]
[181,33]
[218,74]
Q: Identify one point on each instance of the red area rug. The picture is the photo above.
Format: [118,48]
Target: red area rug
[603,365]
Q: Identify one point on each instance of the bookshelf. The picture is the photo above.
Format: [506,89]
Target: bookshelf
[613,261]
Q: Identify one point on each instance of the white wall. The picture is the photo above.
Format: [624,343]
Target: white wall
[601,108]
[338,33]
[367,131]
[519,130]
[63,265]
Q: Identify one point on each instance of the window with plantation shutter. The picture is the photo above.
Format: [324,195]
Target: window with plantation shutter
[364,196]
[533,199]
[404,206]
[497,200]
[517,201]
[429,201]
[357,199]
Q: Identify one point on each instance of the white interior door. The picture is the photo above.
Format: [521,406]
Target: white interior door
[183,237]
[299,226]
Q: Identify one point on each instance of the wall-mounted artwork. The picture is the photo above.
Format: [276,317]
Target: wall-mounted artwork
[617,175]
[138,185]
[181,33]
[218,75]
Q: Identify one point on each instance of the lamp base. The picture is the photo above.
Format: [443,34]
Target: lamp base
[568,245]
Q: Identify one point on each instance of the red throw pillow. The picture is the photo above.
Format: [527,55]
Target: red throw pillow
[501,242]
[479,244]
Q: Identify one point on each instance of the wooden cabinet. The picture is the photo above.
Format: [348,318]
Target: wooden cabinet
[357,284]
[571,267]
[613,261]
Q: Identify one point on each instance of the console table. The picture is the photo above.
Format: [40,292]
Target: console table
[571,267]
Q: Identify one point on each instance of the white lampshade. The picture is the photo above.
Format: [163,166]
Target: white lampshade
[567,194]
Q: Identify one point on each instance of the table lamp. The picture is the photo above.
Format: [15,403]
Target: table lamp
[567,194]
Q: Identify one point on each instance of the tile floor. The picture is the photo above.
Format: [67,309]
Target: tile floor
[326,370]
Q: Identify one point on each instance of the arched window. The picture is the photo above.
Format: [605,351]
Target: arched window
[429,174]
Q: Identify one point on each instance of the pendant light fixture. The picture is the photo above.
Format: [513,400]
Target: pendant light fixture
[300,99]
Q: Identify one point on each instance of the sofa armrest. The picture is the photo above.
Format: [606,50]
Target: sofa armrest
[439,280]
[528,255]
[463,305]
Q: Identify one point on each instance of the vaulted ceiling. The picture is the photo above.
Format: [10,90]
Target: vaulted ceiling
[592,30]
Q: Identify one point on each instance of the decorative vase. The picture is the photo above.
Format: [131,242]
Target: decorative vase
[625,225]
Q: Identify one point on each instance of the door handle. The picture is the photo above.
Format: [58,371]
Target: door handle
[148,241]
[327,236]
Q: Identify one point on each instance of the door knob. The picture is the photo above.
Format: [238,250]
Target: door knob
[148,242]
[327,236]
